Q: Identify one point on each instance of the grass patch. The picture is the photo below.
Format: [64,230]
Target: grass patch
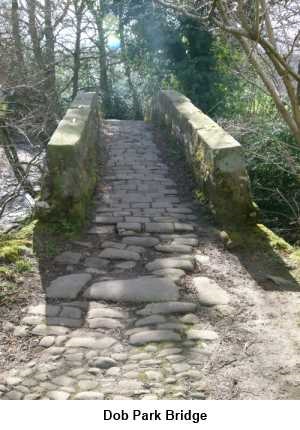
[66,229]
[14,247]
[24,265]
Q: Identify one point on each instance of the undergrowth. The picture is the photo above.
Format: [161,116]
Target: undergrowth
[273,163]
[16,250]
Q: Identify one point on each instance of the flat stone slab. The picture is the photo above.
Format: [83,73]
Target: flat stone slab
[191,241]
[108,323]
[181,227]
[148,336]
[138,249]
[65,322]
[119,254]
[126,265]
[109,244]
[67,287]
[99,312]
[180,210]
[102,230]
[68,257]
[90,342]
[173,263]
[138,290]
[174,248]
[146,242]
[168,308]
[105,219]
[96,262]
[150,320]
[209,293]
[159,227]
[131,226]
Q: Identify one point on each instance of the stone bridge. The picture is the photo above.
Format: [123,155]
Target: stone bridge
[214,157]
[147,304]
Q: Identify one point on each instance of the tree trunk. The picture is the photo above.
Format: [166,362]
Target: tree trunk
[105,86]
[77,52]
[50,59]
[13,159]
[19,65]
[138,110]
[37,51]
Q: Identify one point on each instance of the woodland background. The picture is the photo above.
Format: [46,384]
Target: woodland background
[238,61]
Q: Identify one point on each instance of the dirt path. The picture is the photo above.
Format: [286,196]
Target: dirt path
[148,304]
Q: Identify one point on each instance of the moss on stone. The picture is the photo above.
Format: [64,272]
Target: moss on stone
[73,162]
[215,157]
[14,245]
[258,237]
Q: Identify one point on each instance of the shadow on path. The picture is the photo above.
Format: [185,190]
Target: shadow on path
[266,257]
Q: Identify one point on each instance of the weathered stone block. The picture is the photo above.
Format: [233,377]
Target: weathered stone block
[72,160]
[215,157]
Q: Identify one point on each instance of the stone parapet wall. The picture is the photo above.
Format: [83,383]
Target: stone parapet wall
[72,160]
[215,157]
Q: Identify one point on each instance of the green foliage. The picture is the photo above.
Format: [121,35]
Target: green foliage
[273,160]
[23,265]
[272,155]
[196,68]
[14,245]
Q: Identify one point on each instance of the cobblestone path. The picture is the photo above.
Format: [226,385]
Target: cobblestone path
[128,318]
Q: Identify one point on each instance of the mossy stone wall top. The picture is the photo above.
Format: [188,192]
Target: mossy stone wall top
[215,157]
[72,160]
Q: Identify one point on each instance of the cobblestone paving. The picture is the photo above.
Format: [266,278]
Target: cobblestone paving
[123,322]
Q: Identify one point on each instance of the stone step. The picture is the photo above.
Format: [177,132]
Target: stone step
[138,290]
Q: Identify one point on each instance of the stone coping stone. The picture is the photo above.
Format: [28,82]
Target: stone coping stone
[67,287]
[138,290]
